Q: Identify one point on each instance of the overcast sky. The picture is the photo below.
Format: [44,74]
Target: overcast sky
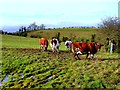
[56,12]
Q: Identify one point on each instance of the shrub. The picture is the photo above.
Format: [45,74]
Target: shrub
[82,39]
[93,36]
[64,39]
[87,40]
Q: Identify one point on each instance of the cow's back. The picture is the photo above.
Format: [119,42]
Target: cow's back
[84,47]
[54,43]
[44,42]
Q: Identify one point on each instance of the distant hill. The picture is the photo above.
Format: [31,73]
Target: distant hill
[70,33]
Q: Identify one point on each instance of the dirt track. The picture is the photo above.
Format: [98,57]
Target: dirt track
[62,54]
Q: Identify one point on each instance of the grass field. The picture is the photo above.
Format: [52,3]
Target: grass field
[25,66]
[22,42]
[19,42]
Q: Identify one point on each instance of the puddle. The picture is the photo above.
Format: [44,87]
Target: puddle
[21,74]
[48,79]
[33,76]
[13,79]
[4,80]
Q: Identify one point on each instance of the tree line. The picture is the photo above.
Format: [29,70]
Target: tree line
[23,30]
[109,26]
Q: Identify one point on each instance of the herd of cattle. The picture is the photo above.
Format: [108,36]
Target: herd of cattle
[78,48]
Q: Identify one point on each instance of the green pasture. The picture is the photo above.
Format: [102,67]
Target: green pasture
[9,41]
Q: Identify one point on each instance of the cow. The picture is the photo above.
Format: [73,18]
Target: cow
[84,48]
[54,43]
[43,44]
[68,45]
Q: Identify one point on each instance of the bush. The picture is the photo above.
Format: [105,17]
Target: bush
[24,34]
[82,39]
[64,39]
[111,27]
[87,40]
[35,36]
[93,36]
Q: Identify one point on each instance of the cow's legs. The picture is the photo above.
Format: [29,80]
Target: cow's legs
[53,49]
[57,49]
[78,57]
[92,55]
[75,57]
[45,48]
[87,55]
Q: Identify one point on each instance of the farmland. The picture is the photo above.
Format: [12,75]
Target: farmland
[24,65]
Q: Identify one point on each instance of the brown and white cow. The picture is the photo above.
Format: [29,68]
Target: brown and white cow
[54,43]
[84,48]
[43,43]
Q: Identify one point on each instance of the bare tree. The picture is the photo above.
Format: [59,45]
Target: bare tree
[111,27]
[42,27]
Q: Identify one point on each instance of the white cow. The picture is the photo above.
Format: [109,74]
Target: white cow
[68,45]
[54,43]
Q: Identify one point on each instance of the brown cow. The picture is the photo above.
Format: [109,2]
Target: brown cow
[84,48]
[43,44]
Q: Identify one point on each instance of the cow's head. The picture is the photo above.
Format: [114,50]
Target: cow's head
[68,44]
[98,46]
[54,41]
[79,49]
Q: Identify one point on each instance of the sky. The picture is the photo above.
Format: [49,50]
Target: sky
[56,12]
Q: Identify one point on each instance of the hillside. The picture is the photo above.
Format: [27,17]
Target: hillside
[78,33]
